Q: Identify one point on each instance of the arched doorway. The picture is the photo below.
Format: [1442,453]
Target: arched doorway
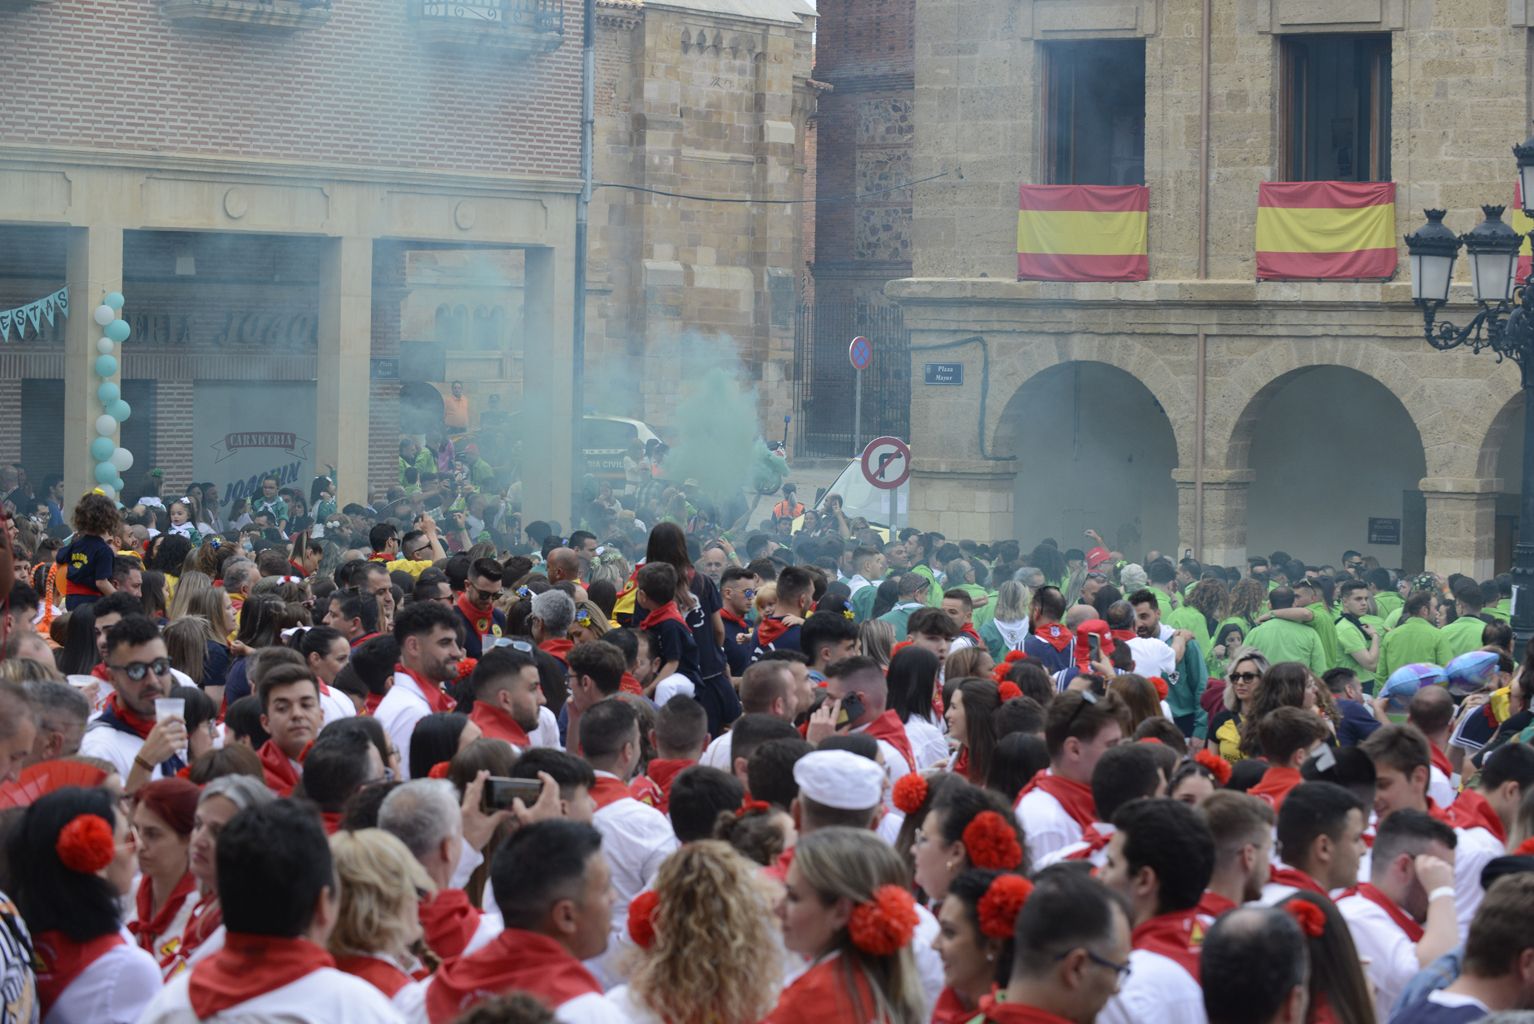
[1332,449]
[1094,449]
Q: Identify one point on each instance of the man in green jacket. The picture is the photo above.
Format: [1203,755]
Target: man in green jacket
[1416,639]
[1281,639]
[913,592]
[1463,635]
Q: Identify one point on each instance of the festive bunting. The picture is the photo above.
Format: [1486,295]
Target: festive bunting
[33,313]
[1082,232]
[1315,230]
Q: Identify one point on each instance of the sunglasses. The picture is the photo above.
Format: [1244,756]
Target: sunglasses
[137,670]
[1245,677]
[516,645]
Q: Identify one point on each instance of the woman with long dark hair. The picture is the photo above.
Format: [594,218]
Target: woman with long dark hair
[699,601]
[259,627]
[71,862]
[971,705]
[326,651]
[437,738]
[79,654]
[912,678]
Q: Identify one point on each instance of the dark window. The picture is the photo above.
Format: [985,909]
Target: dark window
[1335,108]
[1094,103]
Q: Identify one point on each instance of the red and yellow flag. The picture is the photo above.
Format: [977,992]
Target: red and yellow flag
[1523,226]
[1082,233]
[1312,230]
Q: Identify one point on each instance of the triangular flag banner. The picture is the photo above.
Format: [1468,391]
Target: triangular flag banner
[33,313]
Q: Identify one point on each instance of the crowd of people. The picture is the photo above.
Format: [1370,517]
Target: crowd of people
[347,765]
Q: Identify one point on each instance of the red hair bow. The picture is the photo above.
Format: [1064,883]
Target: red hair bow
[86,844]
[1311,918]
[749,806]
[999,906]
[991,843]
[1008,690]
[641,918]
[1217,765]
[910,793]
[884,925]
[1161,687]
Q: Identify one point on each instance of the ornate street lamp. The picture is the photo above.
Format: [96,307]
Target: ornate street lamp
[1504,324]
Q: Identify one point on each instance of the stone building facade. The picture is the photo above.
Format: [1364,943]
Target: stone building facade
[1202,408]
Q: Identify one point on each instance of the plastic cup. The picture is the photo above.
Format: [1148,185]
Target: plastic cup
[169,707]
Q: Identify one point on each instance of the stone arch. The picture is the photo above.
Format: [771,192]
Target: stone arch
[1013,369]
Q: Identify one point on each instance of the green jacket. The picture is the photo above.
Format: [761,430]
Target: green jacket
[1283,640]
[1412,642]
[1463,635]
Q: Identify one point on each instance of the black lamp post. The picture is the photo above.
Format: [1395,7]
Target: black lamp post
[1504,324]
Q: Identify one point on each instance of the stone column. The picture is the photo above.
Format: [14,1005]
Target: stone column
[1225,490]
[94,266]
[1461,525]
[342,400]
[969,499]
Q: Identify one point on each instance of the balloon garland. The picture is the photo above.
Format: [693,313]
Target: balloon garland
[112,460]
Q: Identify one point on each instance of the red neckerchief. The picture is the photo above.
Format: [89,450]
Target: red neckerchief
[149,926]
[495,723]
[101,672]
[1440,760]
[968,629]
[331,821]
[666,612]
[298,570]
[479,621]
[1123,635]
[729,616]
[1093,839]
[1296,879]
[370,703]
[1214,905]
[559,647]
[60,960]
[448,922]
[1074,797]
[439,702]
[206,918]
[1403,921]
[364,638]
[961,762]
[1471,810]
[1055,635]
[628,684]
[249,966]
[1017,1013]
[888,727]
[380,556]
[281,776]
[1439,813]
[138,723]
[608,791]
[1177,936]
[769,629]
[950,1008]
[643,789]
[663,772]
[376,971]
[1276,784]
[515,960]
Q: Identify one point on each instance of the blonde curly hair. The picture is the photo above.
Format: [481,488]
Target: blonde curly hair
[715,959]
[381,883]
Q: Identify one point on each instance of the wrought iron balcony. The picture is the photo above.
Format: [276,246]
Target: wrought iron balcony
[278,15]
[517,27]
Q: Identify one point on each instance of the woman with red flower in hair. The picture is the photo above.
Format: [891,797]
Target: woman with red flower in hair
[71,862]
[971,704]
[967,827]
[974,940]
[1339,993]
[849,909]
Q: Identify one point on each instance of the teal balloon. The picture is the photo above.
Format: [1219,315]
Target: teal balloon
[106,473]
[114,299]
[108,393]
[119,410]
[117,330]
[102,449]
[106,366]
[117,485]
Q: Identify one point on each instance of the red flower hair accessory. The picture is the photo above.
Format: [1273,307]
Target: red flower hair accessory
[1311,918]
[1149,739]
[641,918]
[1525,848]
[999,906]
[749,806]
[1161,687]
[999,673]
[439,770]
[884,925]
[1008,690]
[86,844]
[466,667]
[991,843]
[910,793]
[1217,765]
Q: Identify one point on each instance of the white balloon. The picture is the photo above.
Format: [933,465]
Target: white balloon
[122,459]
[105,315]
[105,346]
[106,426]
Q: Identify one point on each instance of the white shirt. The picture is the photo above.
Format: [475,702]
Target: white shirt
[112,990]
[636,838]
[718,754]
[547,733]
[115,746]
[1097,859]
[336,705]
[895,766]
[1157,990]
[857,582]
[1046,826]
[325,996]
[1153,657]
[402,707]
[1439,786]
[674,685]
[928,744]
[929,966]
[1475,847]
[1389,957]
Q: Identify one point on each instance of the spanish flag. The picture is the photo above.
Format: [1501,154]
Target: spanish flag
[1523,226]
[1312,230]
[1082,233]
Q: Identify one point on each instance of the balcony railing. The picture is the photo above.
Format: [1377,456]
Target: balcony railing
[279,15]
[520,27]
